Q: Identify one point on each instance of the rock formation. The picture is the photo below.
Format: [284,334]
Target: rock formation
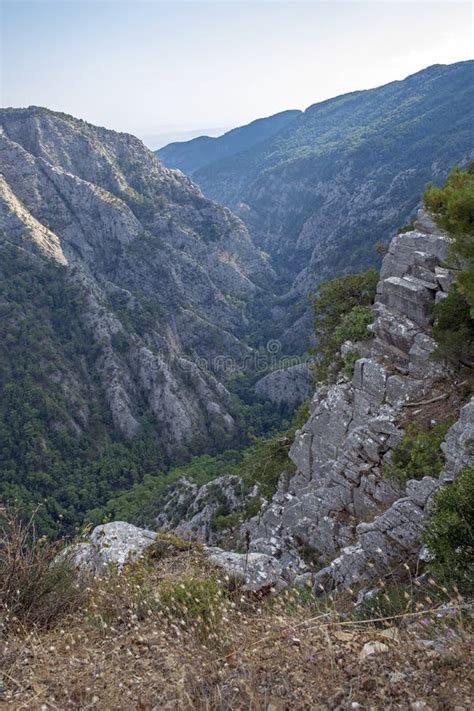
[189,510]
[338,512]
[163,272]
[290,386]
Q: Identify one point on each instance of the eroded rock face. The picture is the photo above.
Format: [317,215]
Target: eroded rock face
[190,510]
[290,386]
[395,536]
[320,516]
[158,265]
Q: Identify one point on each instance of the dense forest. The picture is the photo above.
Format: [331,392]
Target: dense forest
[59,448]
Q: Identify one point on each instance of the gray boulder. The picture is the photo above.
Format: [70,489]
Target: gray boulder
[290,386]
[114,543]
[256,571]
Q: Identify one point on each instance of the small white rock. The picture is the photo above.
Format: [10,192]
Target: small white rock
[371,648]
[397,677]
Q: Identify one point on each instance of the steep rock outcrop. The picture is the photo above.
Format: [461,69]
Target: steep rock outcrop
[395,536]
[321,514]
[189,510]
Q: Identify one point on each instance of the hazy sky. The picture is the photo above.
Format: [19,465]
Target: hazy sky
[152,67]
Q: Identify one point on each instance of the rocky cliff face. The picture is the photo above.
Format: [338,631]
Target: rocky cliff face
[190,510]
[291,385]
[339,514]
[164,273]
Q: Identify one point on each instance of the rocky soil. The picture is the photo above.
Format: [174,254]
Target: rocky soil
[127,648]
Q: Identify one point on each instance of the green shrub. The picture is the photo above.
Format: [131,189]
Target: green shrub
[342,311]
[193,603]
[452,206]
[252,507]
[353,325]
[226,520]
[38,586]
[349,360]
[449,533]
[417,455]
[453,330]
[406,228]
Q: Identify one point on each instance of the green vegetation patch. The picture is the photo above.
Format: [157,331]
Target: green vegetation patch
[452,207]
[417,455]
[453,330]
[341,312]
[449,533]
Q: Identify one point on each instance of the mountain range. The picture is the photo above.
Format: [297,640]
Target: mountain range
[336,179]
[123,287]
[120,283]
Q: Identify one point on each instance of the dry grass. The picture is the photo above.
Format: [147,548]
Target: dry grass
[456,395]
[37,586]
[134,644]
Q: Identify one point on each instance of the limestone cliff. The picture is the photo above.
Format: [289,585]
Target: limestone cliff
[163,272]
[339,515]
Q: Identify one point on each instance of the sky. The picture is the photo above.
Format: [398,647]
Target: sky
[171,70]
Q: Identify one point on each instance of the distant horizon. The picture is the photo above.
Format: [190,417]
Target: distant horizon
[168,134]
[160,70]
[160,138]
[217,132]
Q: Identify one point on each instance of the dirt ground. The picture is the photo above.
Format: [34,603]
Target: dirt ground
[124,649]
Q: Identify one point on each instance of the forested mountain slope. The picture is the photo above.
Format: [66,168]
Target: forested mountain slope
[190,156]
[116,274]
[347,172]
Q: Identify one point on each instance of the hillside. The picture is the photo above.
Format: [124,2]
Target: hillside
[190,156]
[117,277]
[169,633]
[346,173]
